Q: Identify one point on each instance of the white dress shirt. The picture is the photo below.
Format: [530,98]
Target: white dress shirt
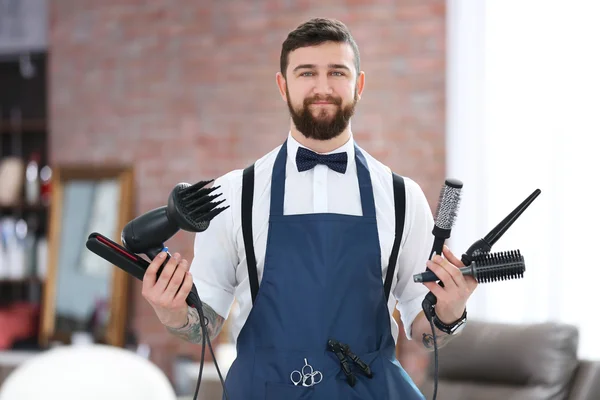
[219,265]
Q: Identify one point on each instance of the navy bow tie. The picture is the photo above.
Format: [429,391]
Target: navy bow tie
[307,159]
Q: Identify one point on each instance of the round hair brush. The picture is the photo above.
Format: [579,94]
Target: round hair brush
[485,268]
[501,266]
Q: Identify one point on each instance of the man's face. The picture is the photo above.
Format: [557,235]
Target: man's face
[322,89]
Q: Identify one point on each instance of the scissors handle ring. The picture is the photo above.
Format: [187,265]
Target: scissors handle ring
[320,377]
[300,379]
[306,378]
[312,371]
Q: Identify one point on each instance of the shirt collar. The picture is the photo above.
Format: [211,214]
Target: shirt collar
[292,149]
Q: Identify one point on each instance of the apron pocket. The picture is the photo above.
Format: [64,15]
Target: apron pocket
[284,391]
[276,371]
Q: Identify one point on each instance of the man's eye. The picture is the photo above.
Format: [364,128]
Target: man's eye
[337,73]
[306,74]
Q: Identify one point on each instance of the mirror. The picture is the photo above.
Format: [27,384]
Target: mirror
[84,293]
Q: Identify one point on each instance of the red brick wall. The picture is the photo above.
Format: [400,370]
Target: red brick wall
[186,91]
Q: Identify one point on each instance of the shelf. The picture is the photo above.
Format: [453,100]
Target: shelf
[23,207]
[26,126]
[19,281]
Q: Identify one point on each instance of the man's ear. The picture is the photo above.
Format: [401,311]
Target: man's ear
[281,84]
[360,84]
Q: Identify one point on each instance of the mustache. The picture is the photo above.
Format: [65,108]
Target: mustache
[330,99]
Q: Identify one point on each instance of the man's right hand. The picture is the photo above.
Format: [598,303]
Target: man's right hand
[167,295]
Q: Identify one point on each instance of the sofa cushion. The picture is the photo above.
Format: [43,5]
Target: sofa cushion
[535,358]
[451,390]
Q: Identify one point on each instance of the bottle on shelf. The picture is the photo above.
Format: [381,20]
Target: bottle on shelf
[11,165]
[32,179]
[46,184]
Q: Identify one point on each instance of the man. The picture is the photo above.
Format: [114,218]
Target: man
[323,231]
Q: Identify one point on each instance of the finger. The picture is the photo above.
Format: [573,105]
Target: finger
[441,273]
[452,258]
[150,275]
[185,289]
[187,268]
[452,270]
[167,273]
[188,265]
[176,280]
[434,288]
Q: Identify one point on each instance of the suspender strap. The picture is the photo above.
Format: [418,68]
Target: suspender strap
[247,200]
[399,206]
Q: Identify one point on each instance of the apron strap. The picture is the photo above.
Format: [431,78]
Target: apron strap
[247,200]
[399,206]
[367,201]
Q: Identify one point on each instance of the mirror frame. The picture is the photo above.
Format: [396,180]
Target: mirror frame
[119,289]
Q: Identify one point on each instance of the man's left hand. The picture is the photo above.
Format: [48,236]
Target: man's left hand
[452,298]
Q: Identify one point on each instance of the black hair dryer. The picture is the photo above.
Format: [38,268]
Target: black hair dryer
[190,207]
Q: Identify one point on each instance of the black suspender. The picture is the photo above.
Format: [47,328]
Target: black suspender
[399,207]
[247,201]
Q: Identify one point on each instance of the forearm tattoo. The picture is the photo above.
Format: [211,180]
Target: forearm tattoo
[191,331]
[428,340]
[441,339]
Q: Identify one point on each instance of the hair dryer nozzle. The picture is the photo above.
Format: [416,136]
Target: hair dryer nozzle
[194,206]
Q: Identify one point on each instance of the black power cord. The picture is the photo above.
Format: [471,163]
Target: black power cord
[194,299]
[428,309]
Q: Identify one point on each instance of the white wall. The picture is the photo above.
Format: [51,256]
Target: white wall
[524,113]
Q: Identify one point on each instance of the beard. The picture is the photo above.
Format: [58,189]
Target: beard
[324,126]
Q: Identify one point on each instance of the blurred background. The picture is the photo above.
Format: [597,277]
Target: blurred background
[106,105]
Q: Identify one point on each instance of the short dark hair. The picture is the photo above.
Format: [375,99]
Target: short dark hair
[314,32]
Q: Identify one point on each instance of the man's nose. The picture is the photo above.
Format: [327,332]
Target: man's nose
[322,86]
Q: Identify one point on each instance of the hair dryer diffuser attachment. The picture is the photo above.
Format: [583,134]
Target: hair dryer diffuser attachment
[192,206]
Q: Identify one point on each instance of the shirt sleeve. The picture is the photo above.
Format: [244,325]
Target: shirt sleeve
[416,245]
[215,258]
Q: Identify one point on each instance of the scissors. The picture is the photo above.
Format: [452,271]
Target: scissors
[306,378]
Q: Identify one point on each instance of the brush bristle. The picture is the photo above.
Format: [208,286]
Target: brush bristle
[448,204]
[500,266]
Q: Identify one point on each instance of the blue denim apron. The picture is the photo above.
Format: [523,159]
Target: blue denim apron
[322,280]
